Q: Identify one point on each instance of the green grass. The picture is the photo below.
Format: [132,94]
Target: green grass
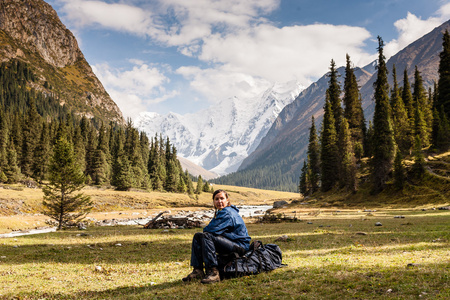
[328,259]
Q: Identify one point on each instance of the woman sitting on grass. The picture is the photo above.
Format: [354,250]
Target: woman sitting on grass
[226,233]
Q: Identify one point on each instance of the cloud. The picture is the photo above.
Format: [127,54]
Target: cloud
[412,27]
[244,64]
[217,84]
[133,90]
[242,52]
[283,54]
[116,16]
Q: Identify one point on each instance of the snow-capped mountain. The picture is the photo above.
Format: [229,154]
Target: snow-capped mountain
[220,137]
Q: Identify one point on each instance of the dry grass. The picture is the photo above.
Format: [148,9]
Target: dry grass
[25,202]
[330,255]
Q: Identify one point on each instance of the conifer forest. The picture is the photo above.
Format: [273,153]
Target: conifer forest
[408,120]
[109,154]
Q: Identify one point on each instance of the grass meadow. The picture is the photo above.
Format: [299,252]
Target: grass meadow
[329,255]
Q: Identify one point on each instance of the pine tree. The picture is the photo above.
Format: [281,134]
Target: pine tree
[383,137]
[91,146]
[61,202]
[31,133]
[11,170]
[303,185]
[189,185]
[423,117]
[334,91]
[79,149]
[313,158]
[402,130]
[199,188]
[353,111]
[329,154]
[121,171]
[100,165]
[399,171]
[347,176]
[443,95]
[441,130]
[4,140]
[41,159]
[408,98]
[418,167]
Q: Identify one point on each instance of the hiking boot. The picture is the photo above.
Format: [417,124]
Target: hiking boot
[212,275]
[239,250]
[196,274]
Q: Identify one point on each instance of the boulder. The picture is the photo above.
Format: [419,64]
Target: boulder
[279,204]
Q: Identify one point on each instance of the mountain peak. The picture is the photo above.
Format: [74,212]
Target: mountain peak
[31,31]
[220,137]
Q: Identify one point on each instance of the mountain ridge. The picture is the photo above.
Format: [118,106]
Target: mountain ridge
[30,30]
[289,134]
[219,137]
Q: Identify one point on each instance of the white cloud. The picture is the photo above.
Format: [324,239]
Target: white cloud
[244,52]
[283,54]
[116,16]
[218,84]
[134,89]
[412,27]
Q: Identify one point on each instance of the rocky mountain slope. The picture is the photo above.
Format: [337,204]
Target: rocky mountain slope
[31,31]
[220,137]
[285,144]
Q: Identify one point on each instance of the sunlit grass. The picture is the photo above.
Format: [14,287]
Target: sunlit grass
[334,257]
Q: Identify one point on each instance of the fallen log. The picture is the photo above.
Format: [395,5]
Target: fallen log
[173,222]
[149,224]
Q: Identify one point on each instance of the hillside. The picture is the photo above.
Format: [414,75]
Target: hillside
[30,31]
[282,151]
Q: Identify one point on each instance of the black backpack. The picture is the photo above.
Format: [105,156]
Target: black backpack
[259,258]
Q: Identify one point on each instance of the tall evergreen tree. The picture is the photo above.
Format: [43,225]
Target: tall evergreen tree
[303,180]
[399,171]
[334,91]
[353,111]
[329,154]
[12,170]
[31,134]
[42,153]
[199,188]
[402,129]
[61,200]
[408,98]
[4,139]
[347,176]
[79,148]
[383,136]
[313,158]
[443,95]
[423,113]
[121,171]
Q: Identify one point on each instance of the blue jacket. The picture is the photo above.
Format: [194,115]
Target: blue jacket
[229,224]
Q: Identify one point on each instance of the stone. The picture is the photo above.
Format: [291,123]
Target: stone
[283,238]
[378,224]
[279,204]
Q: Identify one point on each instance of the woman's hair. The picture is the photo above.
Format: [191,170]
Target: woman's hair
[226,196]
[219,191]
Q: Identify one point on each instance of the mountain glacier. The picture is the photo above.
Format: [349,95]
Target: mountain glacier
[220,137]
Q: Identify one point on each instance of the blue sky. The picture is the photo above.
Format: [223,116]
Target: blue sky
[186,55]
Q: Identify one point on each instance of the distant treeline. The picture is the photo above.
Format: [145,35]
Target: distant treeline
[110,154]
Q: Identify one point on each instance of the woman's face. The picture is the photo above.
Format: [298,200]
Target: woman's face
[220,201]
